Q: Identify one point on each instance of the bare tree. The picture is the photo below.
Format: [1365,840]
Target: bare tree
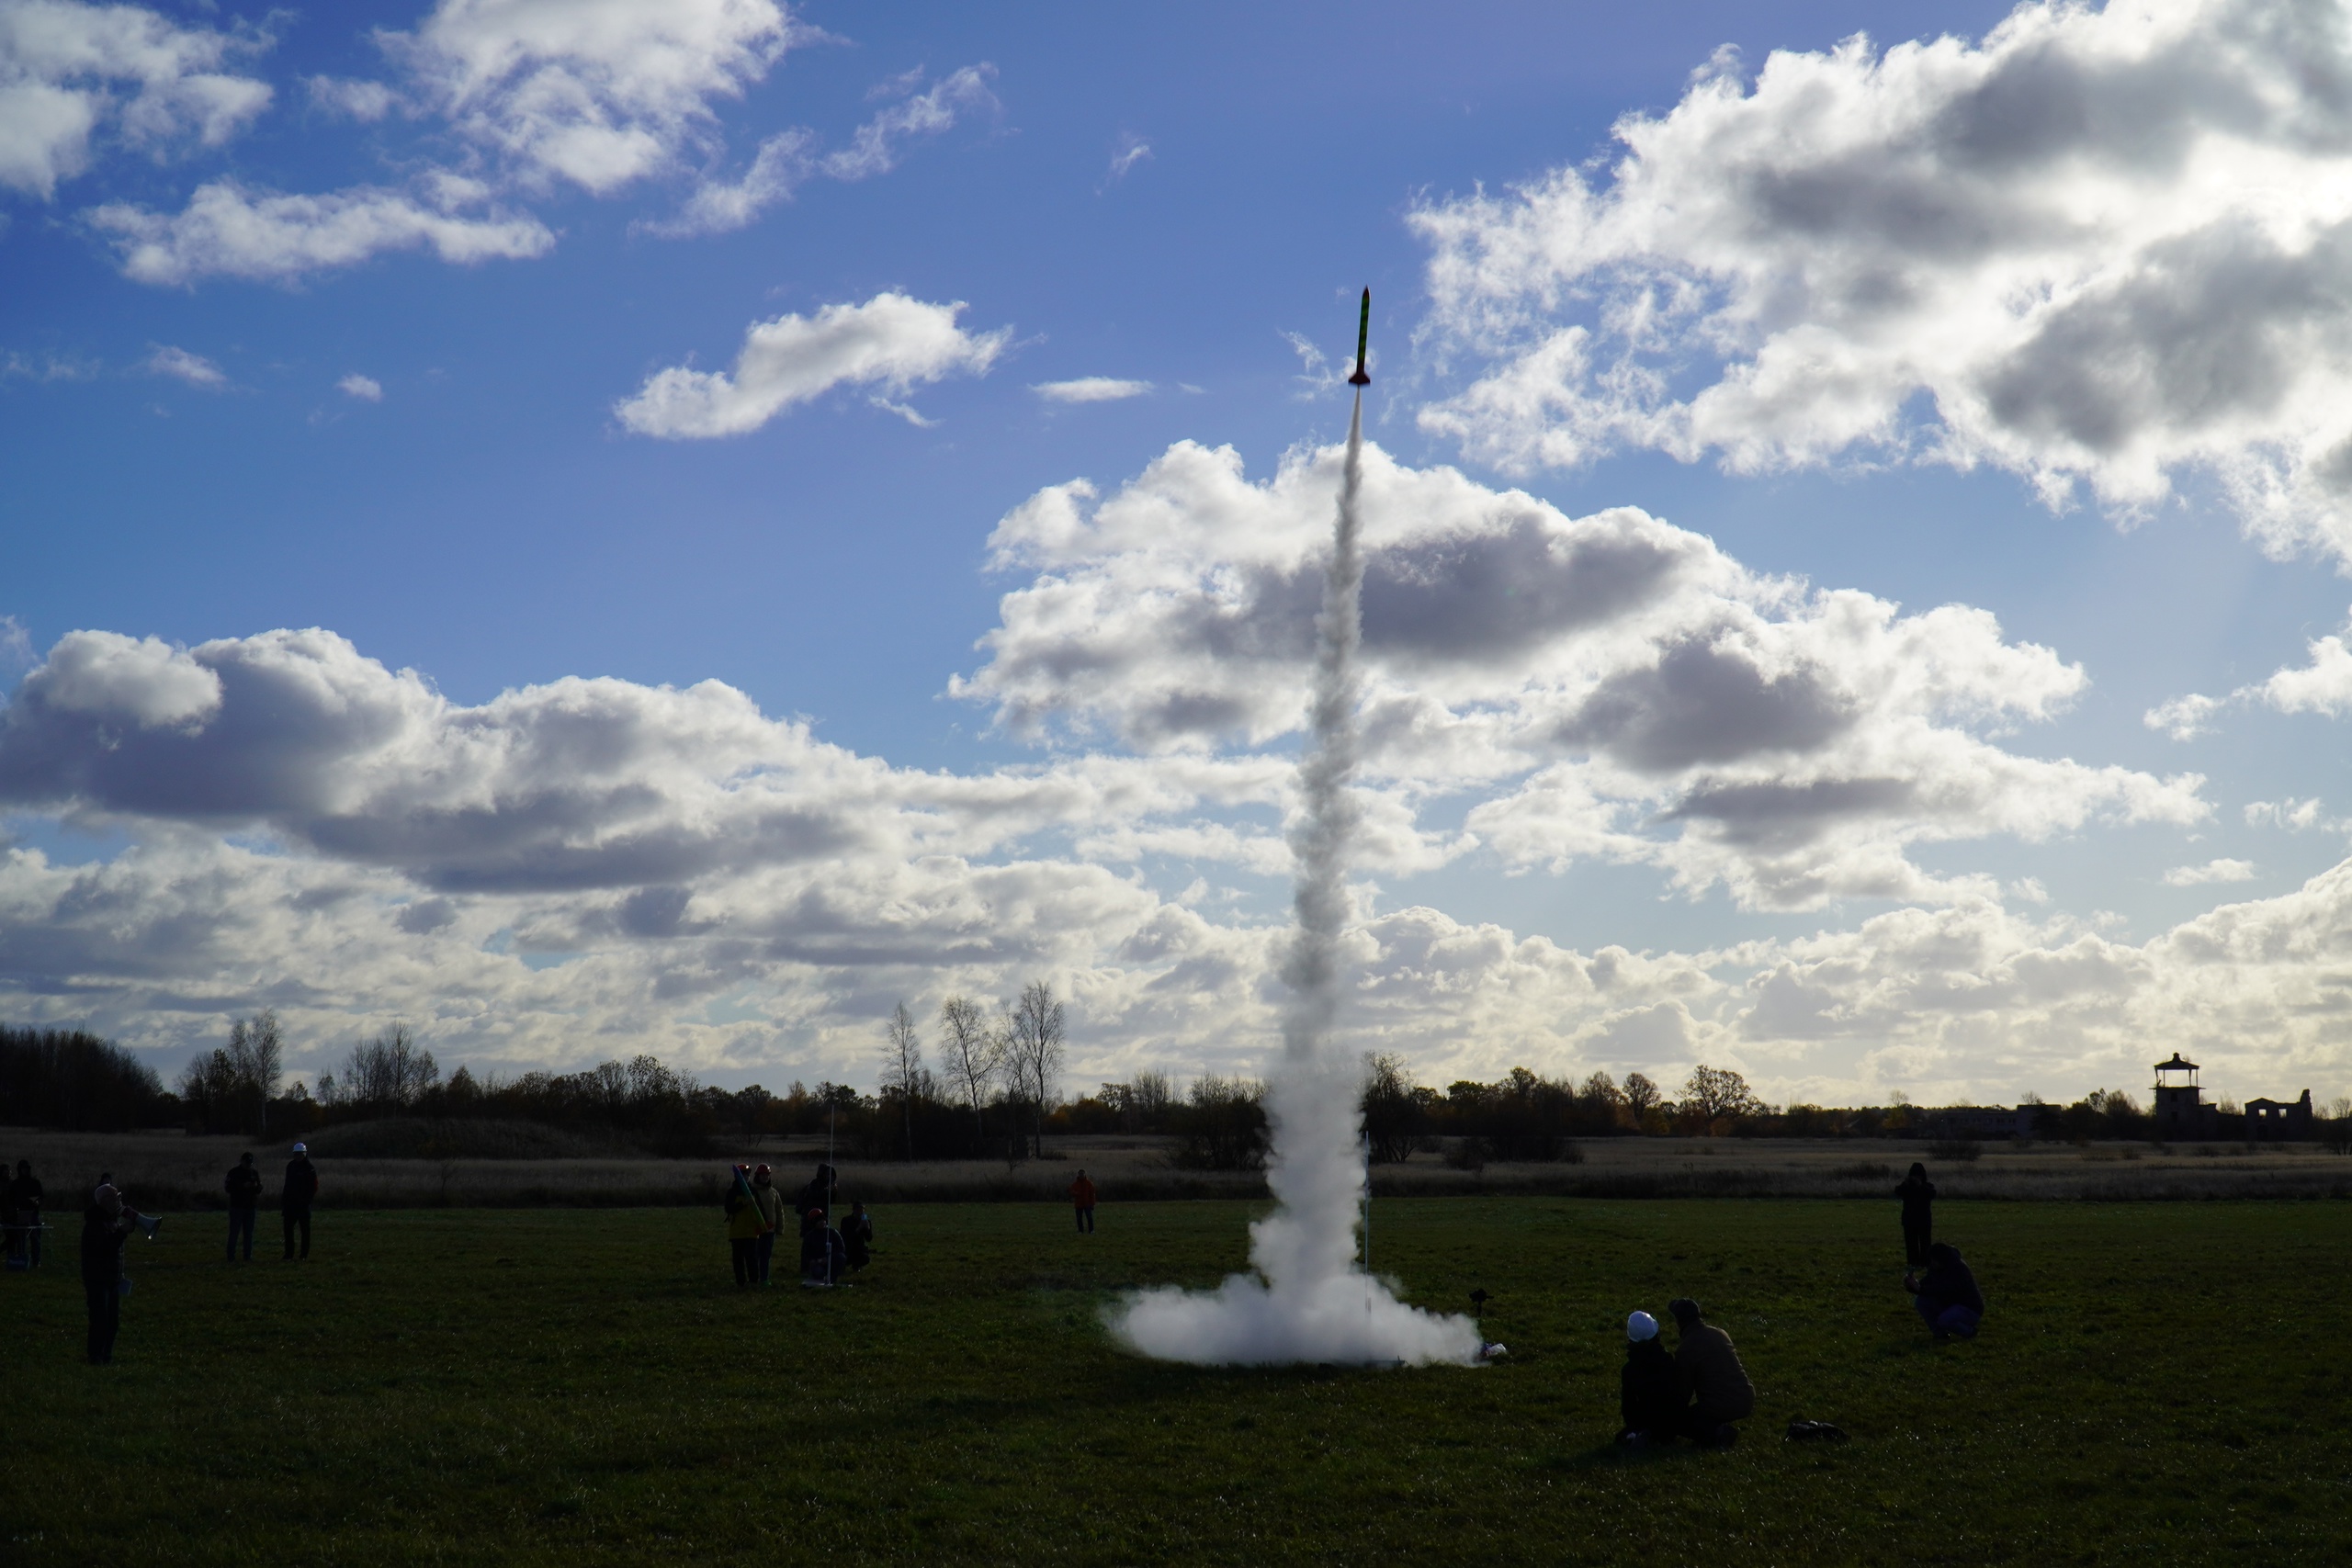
[235,1084]
[1034,1042]
[972,1052]
[903,1073]
[1151,1096]
[390,1071]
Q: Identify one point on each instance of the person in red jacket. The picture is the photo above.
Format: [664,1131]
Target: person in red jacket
[1081,1195]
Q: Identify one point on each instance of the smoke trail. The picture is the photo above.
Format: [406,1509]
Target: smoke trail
[1307,1300]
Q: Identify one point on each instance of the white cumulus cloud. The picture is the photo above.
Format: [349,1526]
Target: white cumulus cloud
[2322,684]
[1090,390]
[595,93]
[2101,246]
[71,72]
[1604,687]
[2211,870]
[891,343]
[366,389]
[790,158]
[182,366]
[229,230]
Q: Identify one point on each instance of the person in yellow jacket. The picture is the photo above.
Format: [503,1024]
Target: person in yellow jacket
[744,1226]
[770,1199]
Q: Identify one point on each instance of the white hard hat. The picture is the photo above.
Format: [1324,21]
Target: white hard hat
[301,1148]
[1641,1325]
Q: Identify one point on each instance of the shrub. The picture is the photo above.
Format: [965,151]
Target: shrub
[1957,1151]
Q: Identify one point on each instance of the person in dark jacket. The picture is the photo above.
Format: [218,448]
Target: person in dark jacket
[857,1236]
[1720,1392]
[823,1257]
[770,1199]
[107,1222]
[818,1193]
[1918,1195]
[243,1186]
[1650,1394]
[1946,1295]
[294,1198]
[24,1202]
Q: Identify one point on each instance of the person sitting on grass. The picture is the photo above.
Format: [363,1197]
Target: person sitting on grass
[857,1236]
[823,1259]
[1720,1390]
[1946,1295]
[1650,1394]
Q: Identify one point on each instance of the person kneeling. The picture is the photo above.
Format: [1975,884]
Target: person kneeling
[1946,1295]
[823,1259]
[1720,1390]
[1650,1395]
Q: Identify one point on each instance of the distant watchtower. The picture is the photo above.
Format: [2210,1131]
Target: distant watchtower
[2181,1111]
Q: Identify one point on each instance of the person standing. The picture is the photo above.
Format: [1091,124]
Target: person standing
[243,1186]
[818,1193]
[1081,1197]
[105,1225]
[743,1226]
[1918,1195]
[24,1200]
[1720,1390]
[294,1198]
[770,1199]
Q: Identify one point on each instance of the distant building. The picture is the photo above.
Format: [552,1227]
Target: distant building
[2180,1107]
[2181,1111]
[2281,1120]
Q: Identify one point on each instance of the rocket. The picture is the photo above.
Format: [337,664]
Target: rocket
[1362,378]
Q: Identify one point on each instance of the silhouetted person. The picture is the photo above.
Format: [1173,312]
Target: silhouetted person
[818,1193]
[107,1222]
[1720,1390]
[24,1202]
[243,1186]
[770,1198]
[1650,1394]
[1946,1295]
[823,1257]
[744,1225]
[1081,1197]
[1918,1195]
[857,1236]
[294,1198]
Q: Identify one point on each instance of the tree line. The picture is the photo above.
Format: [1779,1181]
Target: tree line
[996,1092]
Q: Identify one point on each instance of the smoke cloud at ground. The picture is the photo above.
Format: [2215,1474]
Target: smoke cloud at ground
[1307,1300]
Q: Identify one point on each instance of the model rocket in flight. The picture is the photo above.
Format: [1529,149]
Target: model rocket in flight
[1363,332]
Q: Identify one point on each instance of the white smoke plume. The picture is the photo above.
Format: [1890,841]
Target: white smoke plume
[1306,1299]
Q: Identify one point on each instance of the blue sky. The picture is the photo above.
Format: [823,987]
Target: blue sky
[433,460]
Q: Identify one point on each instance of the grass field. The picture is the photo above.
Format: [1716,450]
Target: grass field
[2157,1383]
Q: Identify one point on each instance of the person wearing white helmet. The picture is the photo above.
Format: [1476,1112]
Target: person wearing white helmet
[1651,1393]
[294,1198]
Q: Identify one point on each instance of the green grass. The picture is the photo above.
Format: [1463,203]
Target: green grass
[2155,1384]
